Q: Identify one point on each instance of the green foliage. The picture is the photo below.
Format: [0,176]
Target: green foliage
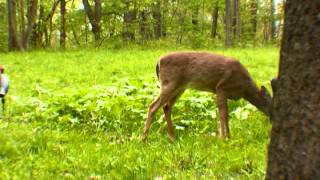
[79,115]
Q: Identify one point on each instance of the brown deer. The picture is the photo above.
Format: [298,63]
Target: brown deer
[204,71]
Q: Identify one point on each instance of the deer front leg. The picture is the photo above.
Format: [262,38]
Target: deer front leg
[223,114]
[222,105]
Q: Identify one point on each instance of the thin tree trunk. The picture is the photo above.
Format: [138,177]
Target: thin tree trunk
[253,20]
[228,24]
[22,20]
[214,20]
[128,17]
[164,18]
[235,20]
[195,16]
[63,24]
[272,20]
[31,16]
[86,29]
[13,42]
[48,21]
[97,13]
[75,36]
[143,25]
[294,150]
[158,21]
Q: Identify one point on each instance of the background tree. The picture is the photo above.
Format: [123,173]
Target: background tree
[294,150]
[129,17]
[13,41]
[228,24]
[183,22]
[214,19]
[63,33]
[94,18]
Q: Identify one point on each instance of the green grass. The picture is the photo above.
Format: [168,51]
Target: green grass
[79,115]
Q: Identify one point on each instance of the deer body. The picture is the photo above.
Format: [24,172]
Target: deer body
[224,76]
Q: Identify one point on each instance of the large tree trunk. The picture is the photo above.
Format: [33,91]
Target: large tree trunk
[294,150]
[63,34]
[228,24]
[214,20]
[94,18]
[13,42]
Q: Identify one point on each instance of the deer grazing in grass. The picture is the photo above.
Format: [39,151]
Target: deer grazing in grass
[203,71]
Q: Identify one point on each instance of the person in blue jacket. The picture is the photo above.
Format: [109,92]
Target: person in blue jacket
[4,86]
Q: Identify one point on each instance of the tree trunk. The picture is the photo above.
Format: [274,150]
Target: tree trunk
[31,16]
[214,20]
[143,25]
[272,20]
[94,18]
[97,28]
[13,42]
[235,20]
[164,18]
[228,24]
[195,16]
[22,20]
[48,22]
[253,20]
[157,18]
[294,150]
[62,24]
[128,17]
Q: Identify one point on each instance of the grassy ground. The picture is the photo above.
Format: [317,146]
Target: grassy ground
[58,137]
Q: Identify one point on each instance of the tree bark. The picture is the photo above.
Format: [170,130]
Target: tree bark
[164,18]
[236,24]
[214,20]
[31,16]
[128,17]
[63,34]
[48,21]
[294,150]
[22,20]
[158,19]
[143,25]
[195,16]
[253,20]
[228,24]
[94,18]
[13,42]
[272,20]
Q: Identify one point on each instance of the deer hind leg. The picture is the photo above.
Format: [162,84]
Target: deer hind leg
[165,95]
[153,108]
[167,115]
[223,106]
